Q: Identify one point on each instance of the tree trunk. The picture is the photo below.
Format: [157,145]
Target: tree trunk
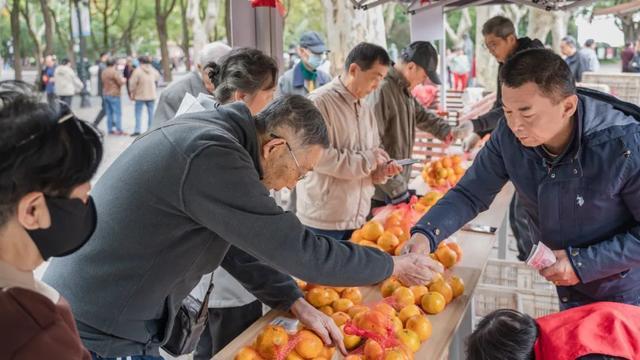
[62,38]
[389,16]
[346,27]
[48,27]
[486,64]
[630,28]
[210,18]
[17,44]
[37,51]
[227,20]
[195,23]
[162,13]
[185,34]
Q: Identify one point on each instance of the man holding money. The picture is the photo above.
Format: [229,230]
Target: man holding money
[574,158]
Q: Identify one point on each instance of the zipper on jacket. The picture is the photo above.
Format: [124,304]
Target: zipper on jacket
[355,108]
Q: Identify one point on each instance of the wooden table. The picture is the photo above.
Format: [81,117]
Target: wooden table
[455,323]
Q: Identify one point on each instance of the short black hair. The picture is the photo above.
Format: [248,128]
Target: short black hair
[365,55]
[64,61]
[571,41]
[542,67]
[212,69]
[499,26]
[245,69]
[295,113]
[39,153]
[504,334]
[144,59]
[589,42]
[111,61]
[103,54]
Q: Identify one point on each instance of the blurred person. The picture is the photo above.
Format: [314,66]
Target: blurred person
[577,61]
[305,77]
[112,82]
[194,83]
[335,199]
[68,83]
[143,91]
[48,79]
[589,52]
[48,159]
[460,67]
[627,55]
[102,65]
[635,61]
[129,67]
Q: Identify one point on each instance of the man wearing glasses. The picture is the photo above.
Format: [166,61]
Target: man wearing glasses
[335,198]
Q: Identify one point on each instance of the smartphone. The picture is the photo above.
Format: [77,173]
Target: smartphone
[405,162]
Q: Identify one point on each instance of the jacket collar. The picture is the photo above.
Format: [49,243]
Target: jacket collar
[397,79]
[244,128]
[298,78]
[342,90]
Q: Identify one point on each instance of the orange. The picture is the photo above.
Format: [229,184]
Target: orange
[403,297]
[388,241]
[247,353]
[372,350]
[433,303]
[438,277]
[352,294]
[457,285]
[270,340]
[452,179]
[372,230]
[441,182]
[328,352]
[447,162]
[458,170]
[333,295]
[339,289]
[398,232]
[431,198]
[342,305]
[421,325]
[409,339]
[301,284]
[357,309]
[355,357]
[367,243]
[456,160]
[396,324]
[357,236]
[309,345]
[457,248]
[442,173]
[446,256]
[408,312]
[294,356]
[389,286]
[392,221]
[385,308]
[350,341]
[444,289]
[437,165]
[340,318]
[318,297]
[373,321]
[418,291]
[398,250]
[395,354]
[327,310]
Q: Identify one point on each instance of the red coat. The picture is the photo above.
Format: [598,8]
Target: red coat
[600,328]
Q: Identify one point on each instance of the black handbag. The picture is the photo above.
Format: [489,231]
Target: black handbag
[189,324]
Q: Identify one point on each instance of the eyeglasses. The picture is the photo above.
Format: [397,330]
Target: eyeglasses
[303,174]
[491,46]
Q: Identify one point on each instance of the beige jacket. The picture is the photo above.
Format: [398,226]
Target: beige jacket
[142,84]
[337,194]
[67,82]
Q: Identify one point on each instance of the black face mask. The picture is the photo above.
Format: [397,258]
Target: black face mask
[72,224]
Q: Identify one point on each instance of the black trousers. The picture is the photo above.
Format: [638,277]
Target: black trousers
[101,114]
[224,325]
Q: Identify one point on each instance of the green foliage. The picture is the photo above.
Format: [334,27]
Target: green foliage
[400,32]
[302,16]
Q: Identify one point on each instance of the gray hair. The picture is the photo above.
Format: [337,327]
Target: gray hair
[499,26]
[212,52]
[571,41]
[244,69]
[297,114]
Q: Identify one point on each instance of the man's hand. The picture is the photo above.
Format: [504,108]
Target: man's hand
[470,142]
[392,168]
[561,273]
[418,244]
[415,269]
[381,156]
[463,130]
[378,176]
[319,323]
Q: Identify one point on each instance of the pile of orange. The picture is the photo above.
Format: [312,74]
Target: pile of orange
[273,341]
[431,297]
[331,300]
[389,237]
[427,201]
[443,173]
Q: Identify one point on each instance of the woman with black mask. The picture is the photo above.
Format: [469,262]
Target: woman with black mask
[47,158]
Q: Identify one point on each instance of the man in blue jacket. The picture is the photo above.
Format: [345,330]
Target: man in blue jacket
[574,158]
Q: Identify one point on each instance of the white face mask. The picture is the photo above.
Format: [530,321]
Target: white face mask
[315,60]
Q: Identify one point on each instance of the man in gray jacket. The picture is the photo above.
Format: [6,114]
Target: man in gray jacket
[305,77]
[398,114]
[201,200]
[193,83]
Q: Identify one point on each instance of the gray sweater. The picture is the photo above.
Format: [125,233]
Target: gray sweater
[170,208]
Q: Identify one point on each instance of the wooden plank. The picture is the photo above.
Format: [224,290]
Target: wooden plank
[476,248]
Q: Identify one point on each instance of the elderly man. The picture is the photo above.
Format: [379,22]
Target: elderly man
[573,157]
[305,77]
[398,114]
[335,198]
[589,52]
[193,83]
[202,201]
